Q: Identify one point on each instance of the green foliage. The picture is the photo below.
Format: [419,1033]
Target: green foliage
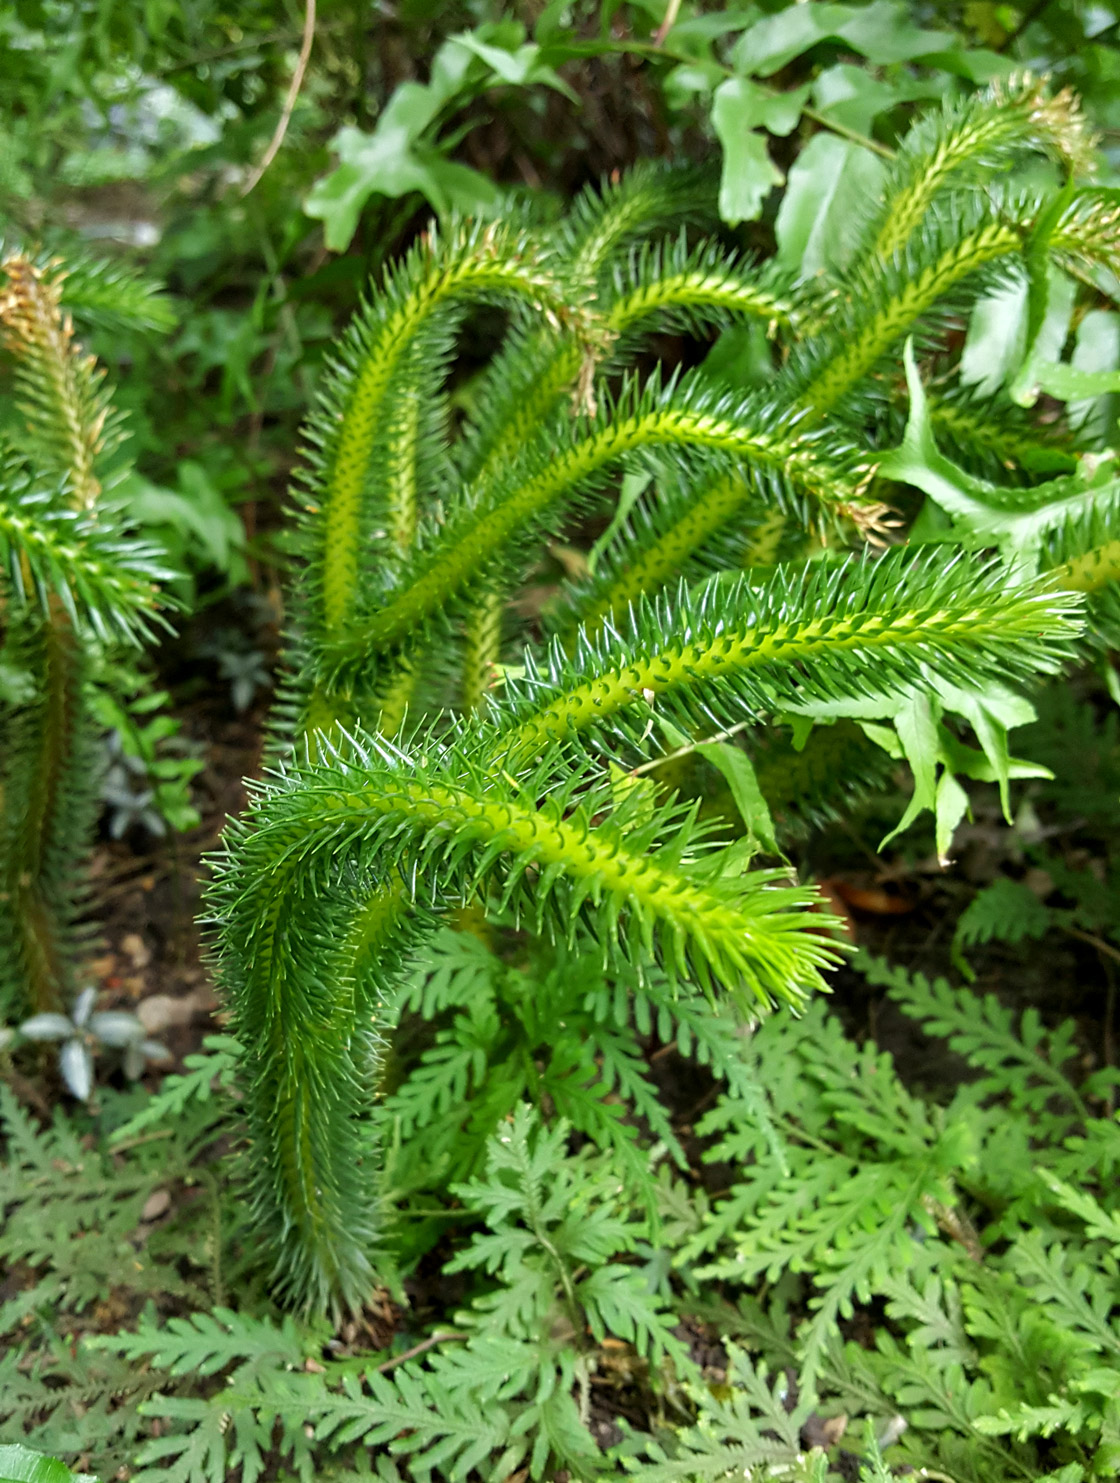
[412,536]
[510,860]
[78,583]
[18,1464]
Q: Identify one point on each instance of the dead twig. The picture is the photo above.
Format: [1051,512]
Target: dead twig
[290,101]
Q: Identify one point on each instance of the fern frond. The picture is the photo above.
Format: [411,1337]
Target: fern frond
[206,1343]
[1024,1067]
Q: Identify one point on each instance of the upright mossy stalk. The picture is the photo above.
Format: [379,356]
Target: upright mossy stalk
[75,578]
[424,773]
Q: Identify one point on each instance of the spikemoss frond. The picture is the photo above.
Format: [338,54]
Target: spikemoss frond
[412,531]
[735,649]
[971,138]
[641,881]
[482,640]
[108,295]
[651,197]
[74,573]
[670,286]
[101,578]
[997,439]
[440,275]
[661,287]
[882,309]
[59,388]
[1088,235]
[47,804]
[710,524]
[690,418]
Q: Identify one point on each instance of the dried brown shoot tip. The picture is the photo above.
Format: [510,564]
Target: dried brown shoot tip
[1059,119]
[59,381]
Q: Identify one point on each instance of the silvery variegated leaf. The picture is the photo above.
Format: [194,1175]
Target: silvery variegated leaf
[116,1027]
[76,1065]
[47,1027]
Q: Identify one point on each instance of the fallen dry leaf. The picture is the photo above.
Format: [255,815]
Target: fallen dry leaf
[158,1203]
[137,949]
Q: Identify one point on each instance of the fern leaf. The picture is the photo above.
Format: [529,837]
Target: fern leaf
[206,1343]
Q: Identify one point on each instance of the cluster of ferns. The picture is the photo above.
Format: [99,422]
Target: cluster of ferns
[435,749]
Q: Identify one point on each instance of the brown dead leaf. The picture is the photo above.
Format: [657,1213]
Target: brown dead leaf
[137,949]
[875,900]
[158,1203]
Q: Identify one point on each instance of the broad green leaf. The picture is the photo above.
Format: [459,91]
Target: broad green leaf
[18,1464]
[916,726]
[388,163]
[1096,351]
[738,770]
[882,32]
[739,108]
[1068,382]
[520,68]
[852,96]
[996,339]
[820,220]
[1013,520]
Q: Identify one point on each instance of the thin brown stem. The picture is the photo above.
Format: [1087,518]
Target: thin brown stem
[421,1348]
[290,101]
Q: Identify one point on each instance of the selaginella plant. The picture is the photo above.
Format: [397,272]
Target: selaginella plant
[443,746]
[78,585]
